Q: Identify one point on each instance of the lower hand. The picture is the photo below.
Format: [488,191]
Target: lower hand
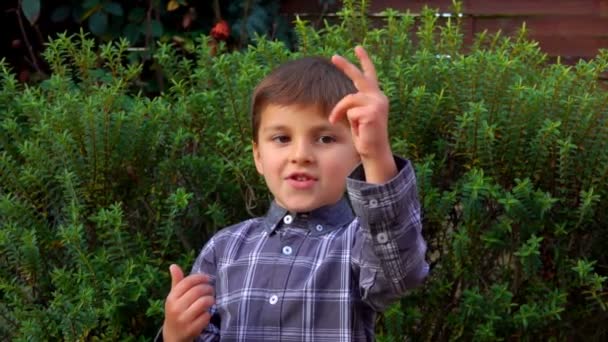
[187,306]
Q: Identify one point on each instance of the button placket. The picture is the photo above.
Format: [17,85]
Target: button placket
[382,238]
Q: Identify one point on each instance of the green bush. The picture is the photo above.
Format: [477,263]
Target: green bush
[102,188]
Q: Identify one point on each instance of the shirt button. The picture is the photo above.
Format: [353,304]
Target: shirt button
[287,250]
[319,228]
[382,238]
[273,299]
[373,203]
[287,219]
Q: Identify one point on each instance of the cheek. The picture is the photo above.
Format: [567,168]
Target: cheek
[271,162]
[351,158]
[343,165]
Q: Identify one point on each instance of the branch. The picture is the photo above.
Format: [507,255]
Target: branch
[216,10]
[26,39]
[148,25]
[322,14]
[243,32]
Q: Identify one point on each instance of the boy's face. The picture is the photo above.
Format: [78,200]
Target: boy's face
[303,157]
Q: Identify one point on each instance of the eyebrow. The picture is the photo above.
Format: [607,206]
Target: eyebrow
[317,128]
[275,128]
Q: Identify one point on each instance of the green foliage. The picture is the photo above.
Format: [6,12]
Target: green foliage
[140,22]
[102,188]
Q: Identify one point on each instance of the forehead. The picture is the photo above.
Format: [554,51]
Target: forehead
[295,115]
[272,114]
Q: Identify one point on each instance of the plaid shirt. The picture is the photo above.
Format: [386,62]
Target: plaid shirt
[317,276]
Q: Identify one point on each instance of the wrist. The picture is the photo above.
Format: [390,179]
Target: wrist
[379,167]
[169,337]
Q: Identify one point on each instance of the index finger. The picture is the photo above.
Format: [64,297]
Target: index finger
[359,80]
[366,63]
[188,282]
[363,80]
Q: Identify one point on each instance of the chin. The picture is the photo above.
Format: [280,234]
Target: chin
[302,207]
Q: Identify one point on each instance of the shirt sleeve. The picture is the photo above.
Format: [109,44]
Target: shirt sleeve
[205,263]
[389,250]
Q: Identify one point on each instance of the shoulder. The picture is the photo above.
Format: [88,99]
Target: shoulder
[224,240]
[239,230]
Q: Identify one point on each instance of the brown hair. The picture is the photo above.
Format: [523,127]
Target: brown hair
[301,82]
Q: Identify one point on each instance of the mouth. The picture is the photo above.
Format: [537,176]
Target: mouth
[301,181]
[301,177]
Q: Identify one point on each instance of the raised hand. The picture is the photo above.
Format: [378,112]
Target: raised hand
[187,306]
[367,113]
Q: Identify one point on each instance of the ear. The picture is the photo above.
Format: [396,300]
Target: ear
[257,158]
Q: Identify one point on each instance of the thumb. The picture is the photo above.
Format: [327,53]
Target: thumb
[176,275]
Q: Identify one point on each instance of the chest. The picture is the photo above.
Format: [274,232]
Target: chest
[290,259]
[291,285]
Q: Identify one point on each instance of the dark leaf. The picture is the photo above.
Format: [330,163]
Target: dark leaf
[257,21]
[90,3]
[137,14]
[131,32]
[60,14]
[153,28]
[157,28]
[114,8]
[98,23]
[77,13]
[31,10]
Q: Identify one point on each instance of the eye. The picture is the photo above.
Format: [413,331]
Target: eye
[281,139]
[326,139]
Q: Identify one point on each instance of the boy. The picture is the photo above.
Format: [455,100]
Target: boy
[310,270]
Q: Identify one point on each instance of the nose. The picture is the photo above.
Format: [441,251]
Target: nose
[302,153]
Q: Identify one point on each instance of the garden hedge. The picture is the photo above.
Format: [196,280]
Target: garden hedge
[102,188]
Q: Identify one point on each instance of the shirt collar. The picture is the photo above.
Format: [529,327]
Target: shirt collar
[328,217]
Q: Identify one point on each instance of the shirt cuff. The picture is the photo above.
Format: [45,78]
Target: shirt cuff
[384,209]
[365,196]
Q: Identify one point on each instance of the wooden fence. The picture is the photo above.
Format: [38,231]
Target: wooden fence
[571,29]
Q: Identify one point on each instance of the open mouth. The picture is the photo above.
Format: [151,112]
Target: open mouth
[301,180]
